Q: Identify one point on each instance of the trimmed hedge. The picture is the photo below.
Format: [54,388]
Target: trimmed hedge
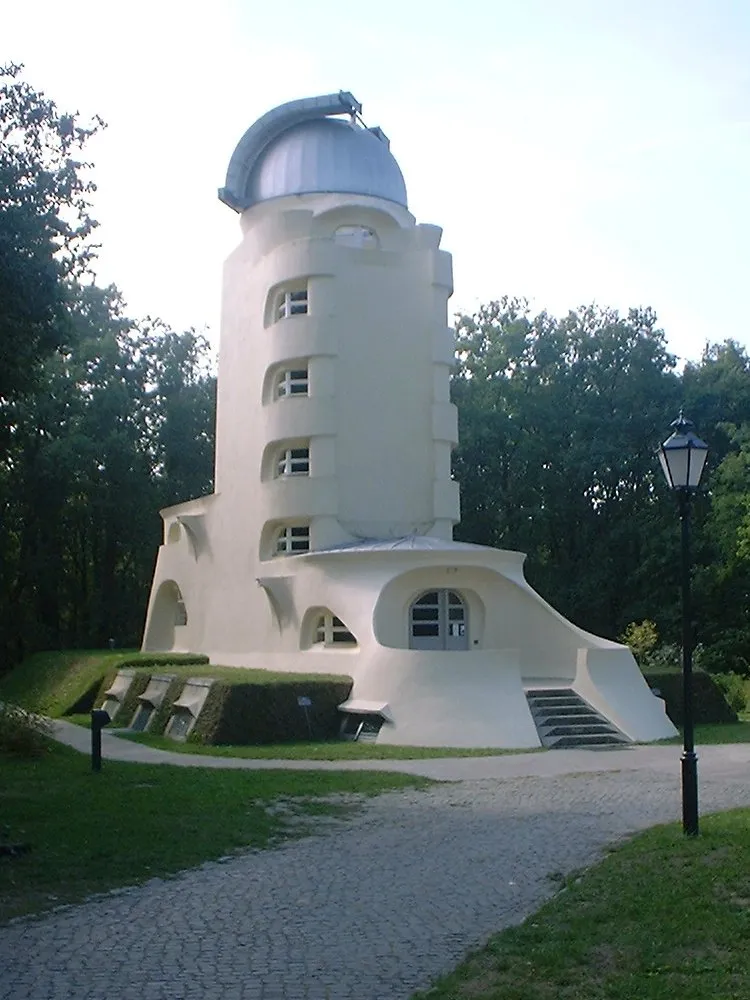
[709,701]
[269,713]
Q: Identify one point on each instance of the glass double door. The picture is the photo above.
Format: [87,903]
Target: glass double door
[438,620]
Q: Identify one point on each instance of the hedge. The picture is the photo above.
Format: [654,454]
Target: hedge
[709,701]
[270,713]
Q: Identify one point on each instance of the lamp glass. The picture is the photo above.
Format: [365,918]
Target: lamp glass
[682,457]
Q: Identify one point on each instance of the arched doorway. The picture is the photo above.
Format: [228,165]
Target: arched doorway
[438,619]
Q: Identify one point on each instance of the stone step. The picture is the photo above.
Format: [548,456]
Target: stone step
[562,710]
[572,742]
[564,720]
[592,729]
[553,703]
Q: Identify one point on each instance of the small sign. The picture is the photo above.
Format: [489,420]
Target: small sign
[303,701]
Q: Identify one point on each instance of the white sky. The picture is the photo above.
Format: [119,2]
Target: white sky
[572,150]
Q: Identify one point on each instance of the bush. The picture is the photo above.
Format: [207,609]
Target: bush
[733,686]
[642,638]
[22,733]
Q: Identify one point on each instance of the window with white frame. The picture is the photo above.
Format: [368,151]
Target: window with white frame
[291,382]
[331,631]
[292,538]
[290,302]
[293,461]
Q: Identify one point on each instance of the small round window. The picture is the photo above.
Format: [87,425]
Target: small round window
[361,237]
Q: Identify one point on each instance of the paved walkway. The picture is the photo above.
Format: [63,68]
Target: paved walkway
[375,907]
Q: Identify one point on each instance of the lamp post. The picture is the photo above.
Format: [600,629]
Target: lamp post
[682,458]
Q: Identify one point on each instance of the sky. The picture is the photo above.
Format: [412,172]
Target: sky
[573,151]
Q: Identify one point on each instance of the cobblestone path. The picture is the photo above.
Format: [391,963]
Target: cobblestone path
[372,909]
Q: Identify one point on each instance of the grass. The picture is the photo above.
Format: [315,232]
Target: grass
[95,832]
[709,734]
[320,750]
[238,675]
[53,682]
[663,916]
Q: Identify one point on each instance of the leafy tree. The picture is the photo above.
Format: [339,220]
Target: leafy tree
[85,476]
[45,225]
[558,422]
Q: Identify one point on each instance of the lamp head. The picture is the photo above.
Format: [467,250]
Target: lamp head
[683,456]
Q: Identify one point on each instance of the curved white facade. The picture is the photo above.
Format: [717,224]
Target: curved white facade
[327,544]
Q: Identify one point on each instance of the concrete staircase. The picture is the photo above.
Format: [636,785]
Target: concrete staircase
[563,719]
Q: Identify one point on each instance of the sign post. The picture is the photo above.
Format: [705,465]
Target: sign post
[304,703]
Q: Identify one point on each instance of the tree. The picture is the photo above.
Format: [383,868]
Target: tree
[45,226]
[558,421]
[86,474]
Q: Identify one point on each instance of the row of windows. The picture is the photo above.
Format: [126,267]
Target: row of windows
[295,461]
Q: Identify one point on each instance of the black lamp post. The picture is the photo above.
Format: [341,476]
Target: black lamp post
[682,458]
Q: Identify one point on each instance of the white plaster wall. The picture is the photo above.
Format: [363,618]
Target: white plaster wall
[436,700]
[609,679]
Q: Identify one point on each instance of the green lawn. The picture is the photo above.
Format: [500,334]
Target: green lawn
[333,750]
[92,832]
[52,682]
[707,734]
[663,917]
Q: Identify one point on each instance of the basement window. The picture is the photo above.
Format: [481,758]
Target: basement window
[180,725]
[142,717]
[361,727]
[292,538]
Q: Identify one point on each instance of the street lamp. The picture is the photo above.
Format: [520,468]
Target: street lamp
[682,458]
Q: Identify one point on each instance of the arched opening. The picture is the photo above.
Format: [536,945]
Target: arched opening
[168,612]
[439,619]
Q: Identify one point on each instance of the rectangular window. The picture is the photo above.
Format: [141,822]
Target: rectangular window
[292,382]
[291,303]
[294,462]
[293,538]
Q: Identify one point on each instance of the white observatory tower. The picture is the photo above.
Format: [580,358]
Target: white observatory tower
[327,545]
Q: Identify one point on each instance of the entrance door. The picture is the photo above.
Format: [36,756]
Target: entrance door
[438,620]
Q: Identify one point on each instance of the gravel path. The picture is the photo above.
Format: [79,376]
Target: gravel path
[372,909]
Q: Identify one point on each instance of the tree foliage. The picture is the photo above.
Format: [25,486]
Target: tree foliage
[122,427]
[103,420]
[45,226]
[559,420]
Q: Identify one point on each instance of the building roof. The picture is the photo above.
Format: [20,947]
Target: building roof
[307,147]
[409,543]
